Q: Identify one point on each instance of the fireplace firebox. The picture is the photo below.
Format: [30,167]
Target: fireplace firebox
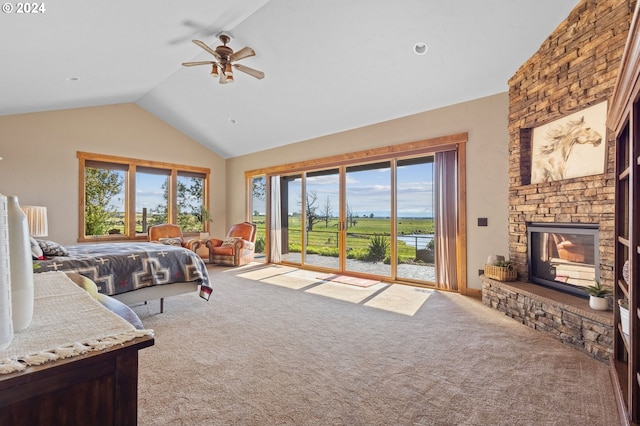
[563,256]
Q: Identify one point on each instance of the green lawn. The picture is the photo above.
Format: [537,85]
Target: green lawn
[323,239]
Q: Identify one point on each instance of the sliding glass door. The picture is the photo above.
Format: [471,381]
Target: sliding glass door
[368,219]
[395,218]
[415,219]
[321,214]
[371,219]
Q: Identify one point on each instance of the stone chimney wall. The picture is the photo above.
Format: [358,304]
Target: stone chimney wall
[576,67]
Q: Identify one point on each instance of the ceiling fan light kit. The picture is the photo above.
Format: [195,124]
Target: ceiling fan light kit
[225,57]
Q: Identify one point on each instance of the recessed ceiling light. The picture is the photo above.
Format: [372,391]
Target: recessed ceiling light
[420,48]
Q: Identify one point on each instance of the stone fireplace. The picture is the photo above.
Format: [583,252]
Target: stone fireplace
[576,67]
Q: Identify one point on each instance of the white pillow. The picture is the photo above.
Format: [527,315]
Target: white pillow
[36,250]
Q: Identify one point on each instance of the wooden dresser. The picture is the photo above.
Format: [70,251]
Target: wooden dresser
[99,387]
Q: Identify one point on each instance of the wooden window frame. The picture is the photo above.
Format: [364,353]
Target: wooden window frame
[131,165]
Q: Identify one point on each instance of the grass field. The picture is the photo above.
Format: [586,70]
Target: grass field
[323,239]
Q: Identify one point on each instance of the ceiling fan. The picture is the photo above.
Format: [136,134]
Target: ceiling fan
[225,58]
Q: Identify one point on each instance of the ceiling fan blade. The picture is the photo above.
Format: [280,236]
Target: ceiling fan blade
[191,64]
[255,73]
[245,52]
[207,48]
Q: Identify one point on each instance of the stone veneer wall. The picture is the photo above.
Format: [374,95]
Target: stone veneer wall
[576,67]
[568,318]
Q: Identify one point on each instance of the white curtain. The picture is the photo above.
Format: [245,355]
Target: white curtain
[446,217]
[275,241]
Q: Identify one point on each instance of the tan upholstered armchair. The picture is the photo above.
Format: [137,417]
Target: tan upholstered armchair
[171,235]
[237,248]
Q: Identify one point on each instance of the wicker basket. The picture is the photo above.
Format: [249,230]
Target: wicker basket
[500,273]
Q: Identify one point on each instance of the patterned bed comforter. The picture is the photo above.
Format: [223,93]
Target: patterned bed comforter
[122,267]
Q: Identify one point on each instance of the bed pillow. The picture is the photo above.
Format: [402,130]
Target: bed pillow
[173,241]
[50,248]
[36,251]
[230,241]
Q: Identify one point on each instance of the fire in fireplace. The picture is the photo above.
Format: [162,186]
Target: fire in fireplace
[563,256]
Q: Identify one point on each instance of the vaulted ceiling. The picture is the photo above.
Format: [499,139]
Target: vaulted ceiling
[330,65]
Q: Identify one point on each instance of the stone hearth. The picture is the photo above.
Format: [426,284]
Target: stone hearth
[564,316]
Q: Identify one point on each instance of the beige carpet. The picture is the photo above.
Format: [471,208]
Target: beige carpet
[346,279]
[345,292]
[265,354]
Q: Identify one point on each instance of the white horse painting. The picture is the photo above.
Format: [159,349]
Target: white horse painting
[551,155]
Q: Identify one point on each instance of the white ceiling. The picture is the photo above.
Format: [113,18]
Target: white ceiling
[330,65]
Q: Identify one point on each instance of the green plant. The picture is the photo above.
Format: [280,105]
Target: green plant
[505,264]
[378,246]
[597,289]
[260,245]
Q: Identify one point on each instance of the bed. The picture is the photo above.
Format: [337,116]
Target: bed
[131,272]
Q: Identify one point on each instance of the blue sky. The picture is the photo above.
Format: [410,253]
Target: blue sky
[369,192]
[149,191]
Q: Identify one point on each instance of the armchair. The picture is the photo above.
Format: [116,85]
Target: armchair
[236,249]
[170,234]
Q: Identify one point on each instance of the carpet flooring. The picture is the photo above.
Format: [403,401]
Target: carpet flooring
[345,279]
[264,351]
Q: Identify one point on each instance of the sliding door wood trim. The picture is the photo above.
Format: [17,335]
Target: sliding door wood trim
[442,143]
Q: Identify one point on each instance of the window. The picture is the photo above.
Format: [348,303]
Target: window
[120,198]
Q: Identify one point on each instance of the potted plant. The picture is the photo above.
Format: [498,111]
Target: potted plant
[598,296]
[500,269]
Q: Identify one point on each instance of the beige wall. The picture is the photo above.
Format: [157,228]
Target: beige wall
[485,120]
[41,168]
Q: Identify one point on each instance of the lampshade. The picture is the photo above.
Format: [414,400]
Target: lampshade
[37,220]
[214,70]
[228,70]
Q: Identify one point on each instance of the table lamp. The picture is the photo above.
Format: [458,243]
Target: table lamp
[37,220]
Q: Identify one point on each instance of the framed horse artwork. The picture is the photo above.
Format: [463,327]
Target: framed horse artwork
[570,147]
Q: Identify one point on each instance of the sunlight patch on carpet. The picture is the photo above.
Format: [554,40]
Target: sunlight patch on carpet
[266,272]
[401,299]
[345,279]
[347,293]
[290,281]
[305,274]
